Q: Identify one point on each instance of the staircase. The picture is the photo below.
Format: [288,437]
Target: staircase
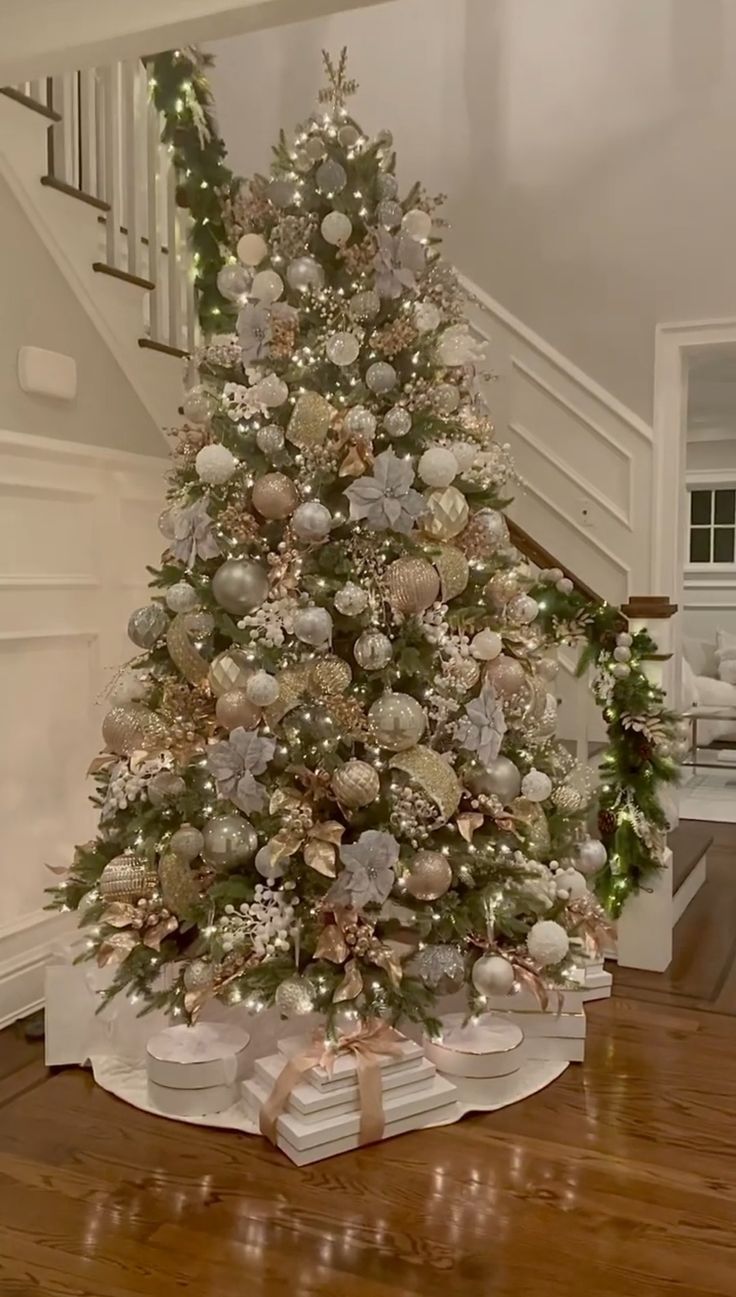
[83,154]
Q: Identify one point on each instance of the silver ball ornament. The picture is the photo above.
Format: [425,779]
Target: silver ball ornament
[331,178]
[397,422]
[521,609]
[305,275]
[364,306]
[501,777]
[591,856]
[495,524]
[351,600]
[398,721]
[239,585]
[313,626]
[234,282]
[389,213]
[336,228]
[186,843]
[311,521]
[229,840]
[181,597]
[198,404]
[373,650]
[147,625]
[267,286]
[342,348]
[293,998]
[262,689]
[270,439]
[493,975]
[360,422]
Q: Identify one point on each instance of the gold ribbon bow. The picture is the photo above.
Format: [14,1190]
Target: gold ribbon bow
[592,922]
[334,946]
[372,1041]
[319,844]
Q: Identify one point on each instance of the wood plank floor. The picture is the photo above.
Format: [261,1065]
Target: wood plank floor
[617,1181]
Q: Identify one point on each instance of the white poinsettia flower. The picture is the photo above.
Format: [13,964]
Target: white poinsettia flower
[387,500]
[235,762]
[483,726]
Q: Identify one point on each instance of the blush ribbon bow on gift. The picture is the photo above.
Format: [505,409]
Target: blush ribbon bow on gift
[372,1042]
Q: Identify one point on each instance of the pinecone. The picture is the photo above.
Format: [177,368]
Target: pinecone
[606,823]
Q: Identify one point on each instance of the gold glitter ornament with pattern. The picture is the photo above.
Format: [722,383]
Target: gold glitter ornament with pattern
[356,784]
[330,675]
[293,684]
[133,728]
[454,571]
[178,886]
[310,420]
[274,496]
[568,800]
[413,585]
[446,513]
[128,879]
[434,775]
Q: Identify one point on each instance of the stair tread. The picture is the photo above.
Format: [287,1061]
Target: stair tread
[164,347]
[688,843]
[116,273]
[52,183]
[27,102]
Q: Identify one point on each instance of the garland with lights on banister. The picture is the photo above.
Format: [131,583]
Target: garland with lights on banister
[181,93]
[645,738]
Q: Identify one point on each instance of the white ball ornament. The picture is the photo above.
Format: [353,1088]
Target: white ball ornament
[426,317]
[336,228]
[272,390]
[313,626]
[351,600]
[536,786]
[624,639]
[465,453]
[215,464]
[622,653]
[234,282]
[621,670]
[342,348]
[397,422]
[311,521]
[493,975]
[239,585]
[262,689]
[267,286]
[251,249]
[417,224]
[198,405]
[572,882]
[522,609]
[591,856]
[181,597]
[547,942]
[437,466]
[305,275]
[486,645]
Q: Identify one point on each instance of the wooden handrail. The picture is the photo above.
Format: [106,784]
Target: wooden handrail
[540,556]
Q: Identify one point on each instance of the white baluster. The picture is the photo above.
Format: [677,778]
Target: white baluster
[58,133]
[112,154]
[131,161]
[87,132]
[153,156]
[174,264]
[101,167]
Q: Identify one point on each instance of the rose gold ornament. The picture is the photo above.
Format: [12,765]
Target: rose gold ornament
[507,676]
[429,876]
[275,496]
[356,784]
[331,675]
[413,585]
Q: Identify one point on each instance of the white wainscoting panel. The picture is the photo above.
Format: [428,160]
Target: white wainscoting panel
[77,528]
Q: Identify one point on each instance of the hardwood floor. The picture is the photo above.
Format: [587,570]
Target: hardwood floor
[617,1181]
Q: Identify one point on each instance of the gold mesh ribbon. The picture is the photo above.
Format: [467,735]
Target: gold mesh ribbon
[373,1041]
[435,775]
[182,652]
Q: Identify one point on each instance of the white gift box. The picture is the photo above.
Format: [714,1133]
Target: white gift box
[203,1102]
[406,1108]
[344,1067]
[318,1102]
[485,1047]
[524,1001]
[209,1054]
[551,1036]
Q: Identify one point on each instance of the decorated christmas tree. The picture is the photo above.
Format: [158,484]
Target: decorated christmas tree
[331,779]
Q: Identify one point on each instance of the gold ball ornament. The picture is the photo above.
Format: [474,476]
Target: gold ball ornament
[128,879]
[230,670]
[398,721]
[234,709]
[502,587]
[413,585]
[331,675]
[429,876]
[507,676]
[356,784]
[446,513]
[454,571]
[373,650]
[466,671]
[274,496]
[133,728]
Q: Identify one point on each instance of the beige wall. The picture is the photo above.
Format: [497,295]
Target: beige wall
[38,308]
[586,147]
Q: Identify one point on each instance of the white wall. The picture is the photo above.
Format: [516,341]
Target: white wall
[40,309]
[585,148]
[77,527]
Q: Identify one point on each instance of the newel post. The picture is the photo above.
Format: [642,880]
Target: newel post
[647,921]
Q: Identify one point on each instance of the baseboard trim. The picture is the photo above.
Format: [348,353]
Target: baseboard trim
[26,946]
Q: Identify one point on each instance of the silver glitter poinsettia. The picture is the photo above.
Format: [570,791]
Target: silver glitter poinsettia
[387,500]
[234,763]
[483,726]
[398,261]
[193,533]
[368,873]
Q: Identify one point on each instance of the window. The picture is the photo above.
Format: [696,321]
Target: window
[712,537]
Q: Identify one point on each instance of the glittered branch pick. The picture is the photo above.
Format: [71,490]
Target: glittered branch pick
[339,86]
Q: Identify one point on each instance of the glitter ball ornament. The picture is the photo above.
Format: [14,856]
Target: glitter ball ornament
[465,453]
[494,524]
[270,439]
[426,317]
[389,213]
[336,228]
[198,405]
[622,653]
[234,282]
[507,676]
[445,398]
[305,275]
[351,600]
[262,689]
[251,249]
[373,650]
[126,878]
[239,585]
[397,422]
[230,670]
[198,976]
[360,422]
[133,728]
[147,625]
[311,521]
[454,571]
[364,306]
[437,466]
[215,464]
[620,670]
[547,942]
[493,975]
[567,800]
[441,967]
[330,676]
[234,709]
[412,584]
[591,856]
[293,998]
[500,776]
[164,787]
[229,840]
[536,786]
[521,609]
[330,177]
[356,784]
[313,626]
[446,513]
[272,391]
[486,645]
[380,377]
[398,721]
[342,348]
[275,496]
[186,843]
[348,136]
[310,420]
[181,597]
[429,876]
[267,286]
[466,671]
